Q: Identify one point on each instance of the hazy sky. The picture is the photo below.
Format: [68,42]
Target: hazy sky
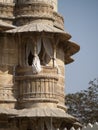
[81,21]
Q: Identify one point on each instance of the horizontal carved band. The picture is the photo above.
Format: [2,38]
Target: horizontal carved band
[34,9]
[40,100]
[8,100]
[6,10]
[31,77]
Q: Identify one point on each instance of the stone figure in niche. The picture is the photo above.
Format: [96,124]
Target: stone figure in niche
[36,64]
[32,58]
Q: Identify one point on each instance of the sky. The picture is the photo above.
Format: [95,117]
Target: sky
[81,21]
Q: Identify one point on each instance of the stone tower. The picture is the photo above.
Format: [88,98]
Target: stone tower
[33,52]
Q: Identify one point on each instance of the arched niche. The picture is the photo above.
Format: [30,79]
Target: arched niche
[26,51]
[39,51]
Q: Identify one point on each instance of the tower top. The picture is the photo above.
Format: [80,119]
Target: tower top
[52,2]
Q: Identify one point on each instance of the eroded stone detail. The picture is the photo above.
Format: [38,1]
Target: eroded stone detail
[32,58]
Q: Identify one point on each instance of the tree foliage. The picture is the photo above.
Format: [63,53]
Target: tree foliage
[84,104]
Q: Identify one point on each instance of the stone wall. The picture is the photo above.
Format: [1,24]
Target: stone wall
[88,127]
[24,126]
[7,1]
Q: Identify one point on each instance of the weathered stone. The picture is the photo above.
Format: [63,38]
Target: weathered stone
[32,58]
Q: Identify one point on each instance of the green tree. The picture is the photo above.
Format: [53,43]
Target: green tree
[84,105]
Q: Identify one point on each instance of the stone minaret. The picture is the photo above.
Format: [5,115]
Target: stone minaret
[32,61]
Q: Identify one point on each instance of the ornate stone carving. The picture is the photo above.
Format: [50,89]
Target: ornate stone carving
[58,20]
[32,58]
[6,12]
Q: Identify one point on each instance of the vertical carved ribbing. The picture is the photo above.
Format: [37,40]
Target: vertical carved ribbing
[37,88]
